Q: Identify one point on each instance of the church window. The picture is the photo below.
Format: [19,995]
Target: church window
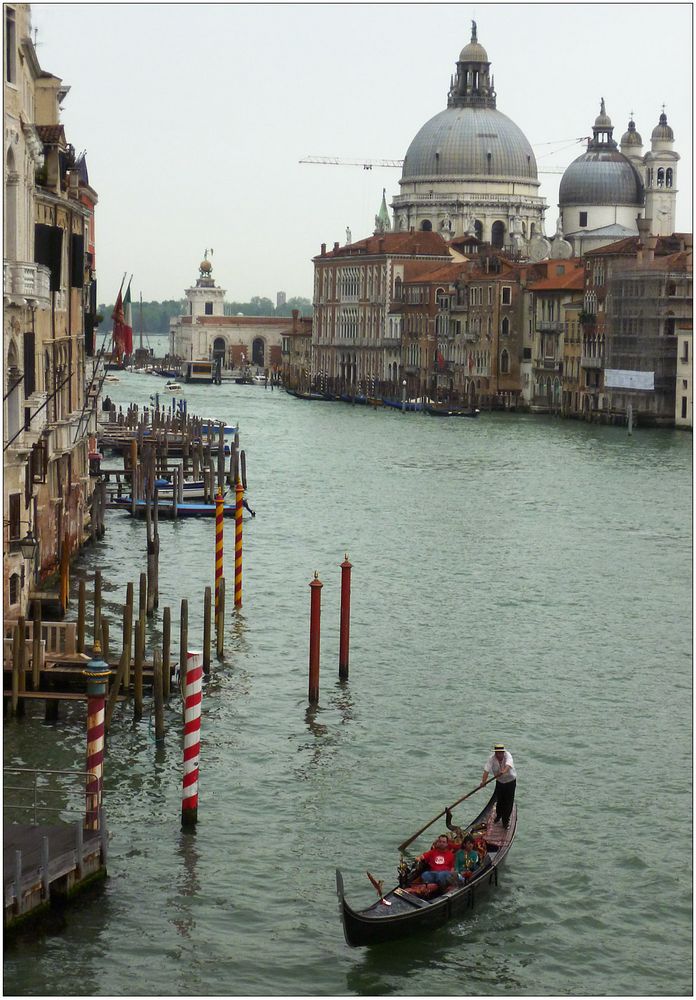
[583,219]
[661,177]
[426,226]
[498,234]
[209,308]
[669,177]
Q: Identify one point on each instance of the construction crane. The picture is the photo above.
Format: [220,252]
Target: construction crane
[367,164]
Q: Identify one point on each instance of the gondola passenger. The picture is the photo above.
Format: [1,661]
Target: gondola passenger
[467,859]
[439,863]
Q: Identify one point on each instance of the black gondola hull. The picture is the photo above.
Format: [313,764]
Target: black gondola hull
[379,923]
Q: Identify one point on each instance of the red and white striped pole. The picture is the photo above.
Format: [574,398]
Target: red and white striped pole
[344,640]
[193,695]
[219,518]
[97,673]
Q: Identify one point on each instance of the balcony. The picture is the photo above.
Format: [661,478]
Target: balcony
[26,282]
[550,326]
[586,361]
[548,364]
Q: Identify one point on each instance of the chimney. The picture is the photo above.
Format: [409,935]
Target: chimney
[336,245]
[643,236]
[295,316]
[381,244]
[687,241]
[651,244]
[323,249]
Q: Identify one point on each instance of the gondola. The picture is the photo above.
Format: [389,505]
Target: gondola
[450,411]
[400,913]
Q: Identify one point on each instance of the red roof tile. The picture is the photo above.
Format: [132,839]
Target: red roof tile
[421,243]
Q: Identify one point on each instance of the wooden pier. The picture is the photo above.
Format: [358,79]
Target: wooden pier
[47,865]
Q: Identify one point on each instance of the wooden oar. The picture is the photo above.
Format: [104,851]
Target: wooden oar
[402,847]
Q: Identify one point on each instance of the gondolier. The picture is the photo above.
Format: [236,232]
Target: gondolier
[500,764]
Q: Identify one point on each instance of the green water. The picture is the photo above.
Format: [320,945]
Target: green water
[514,578]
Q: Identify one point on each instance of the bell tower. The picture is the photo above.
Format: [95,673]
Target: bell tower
[661,179]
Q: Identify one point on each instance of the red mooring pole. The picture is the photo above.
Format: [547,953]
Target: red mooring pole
[344,643]
[314,629]
[219,521]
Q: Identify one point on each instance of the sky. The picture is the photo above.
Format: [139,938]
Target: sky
[194,117]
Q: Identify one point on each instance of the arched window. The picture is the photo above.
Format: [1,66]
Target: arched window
[478,229]
[660,177]
[398,290]
[504,363]
[257,352]
[669,177]
[11,193]
[14,588]
[426,226]
[498,235]
[505,327]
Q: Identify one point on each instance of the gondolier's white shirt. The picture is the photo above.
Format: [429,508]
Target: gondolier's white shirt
[494,767]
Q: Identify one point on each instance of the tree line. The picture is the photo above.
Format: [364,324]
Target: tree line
[156,315]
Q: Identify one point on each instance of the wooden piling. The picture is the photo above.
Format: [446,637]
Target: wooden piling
[14,704]
[36,648]
[128,633]
[166,652]
[122,676]
[158,695]
[138,668]
[344,641]
[142,597]
[183,641]
[105,638]
[242,466]
[22,654]
[97,605]
[220,621]
[314,637]
[81,606]
[207,601]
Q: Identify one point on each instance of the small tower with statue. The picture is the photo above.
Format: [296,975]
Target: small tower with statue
[205,298]
[661,179]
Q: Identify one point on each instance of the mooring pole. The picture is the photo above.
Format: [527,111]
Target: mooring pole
[219,532]
[239,492]
[344,642]
[97,674]
[314,630]
[193,695]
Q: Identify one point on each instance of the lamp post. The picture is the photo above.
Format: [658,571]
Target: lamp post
[28,546]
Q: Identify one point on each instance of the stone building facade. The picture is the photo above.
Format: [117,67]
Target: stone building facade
[48,322]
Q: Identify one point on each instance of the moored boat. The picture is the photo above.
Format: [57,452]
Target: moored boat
[412,907]
[442,410]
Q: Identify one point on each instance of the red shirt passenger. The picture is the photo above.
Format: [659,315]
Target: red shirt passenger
[439,862]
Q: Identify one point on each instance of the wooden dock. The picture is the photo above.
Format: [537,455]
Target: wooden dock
[45,866]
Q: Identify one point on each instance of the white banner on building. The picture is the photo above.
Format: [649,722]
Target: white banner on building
[618,378]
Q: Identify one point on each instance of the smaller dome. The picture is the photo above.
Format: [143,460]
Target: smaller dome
[603,120]
[473,52]
[662,130]
[631,137]
[205,267]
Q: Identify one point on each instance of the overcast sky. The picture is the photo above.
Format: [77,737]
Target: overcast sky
[194,116]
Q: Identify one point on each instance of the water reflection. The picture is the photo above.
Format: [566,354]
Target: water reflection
[188,884]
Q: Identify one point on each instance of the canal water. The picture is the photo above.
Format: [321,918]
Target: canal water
[515,578]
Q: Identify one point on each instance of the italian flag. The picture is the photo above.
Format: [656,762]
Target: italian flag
[127,322]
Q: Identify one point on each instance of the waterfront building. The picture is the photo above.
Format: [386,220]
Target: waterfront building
[470,169]
[356,334]
[604,191]
[49,318]
[206,332]
[296,352]
[555,286]
[684,405]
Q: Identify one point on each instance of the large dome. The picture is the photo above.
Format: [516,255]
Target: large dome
[601,177]
[473,142]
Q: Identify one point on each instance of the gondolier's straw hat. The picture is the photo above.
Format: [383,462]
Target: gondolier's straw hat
[499,746]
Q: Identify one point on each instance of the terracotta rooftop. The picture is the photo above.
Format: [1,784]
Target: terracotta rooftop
[52,134]
[572,278]
[665,245]
[421,243]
